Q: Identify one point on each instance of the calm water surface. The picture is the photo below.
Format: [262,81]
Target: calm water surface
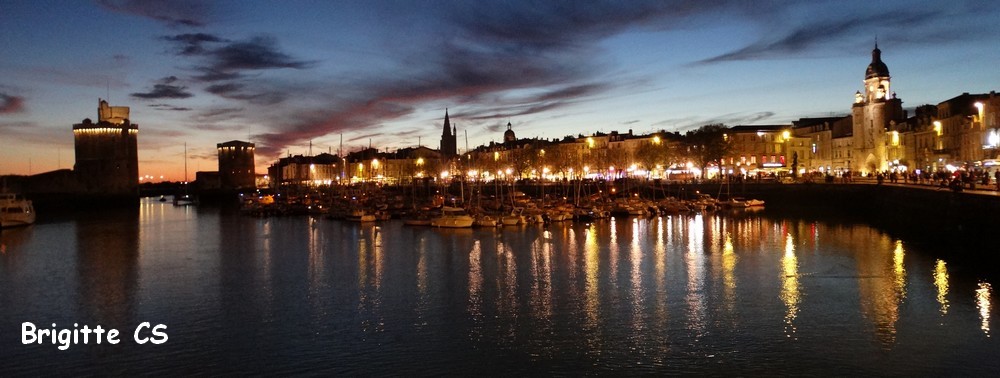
[719,294]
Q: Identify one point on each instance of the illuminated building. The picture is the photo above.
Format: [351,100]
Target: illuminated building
[107,161]
[236,165]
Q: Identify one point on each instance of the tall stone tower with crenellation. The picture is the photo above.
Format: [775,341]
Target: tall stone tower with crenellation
[107,160]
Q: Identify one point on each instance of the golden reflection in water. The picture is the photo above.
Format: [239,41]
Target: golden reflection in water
[475,290]
[422,297]
[571,256]
[659,252]
[898,270]
[635,256]
[316,270]
[590,261]
[983,295]
[941,283]
[728,270]
[379,253]
[506,282]
[613,255]
[879,281]
[790,285]
[695,261]
[369,279]
[541,280]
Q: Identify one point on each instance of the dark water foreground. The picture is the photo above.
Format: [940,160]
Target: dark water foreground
[718,294]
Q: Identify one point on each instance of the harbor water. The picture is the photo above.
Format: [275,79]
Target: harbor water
[718,293]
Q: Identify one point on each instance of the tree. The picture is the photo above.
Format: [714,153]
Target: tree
[706,145]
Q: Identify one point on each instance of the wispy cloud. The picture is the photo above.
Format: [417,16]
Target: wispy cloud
[731,119]
[173,13]
[169,107]
[11,104]
[823,32]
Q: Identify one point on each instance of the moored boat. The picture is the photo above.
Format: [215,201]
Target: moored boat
[452,217]
[15,211]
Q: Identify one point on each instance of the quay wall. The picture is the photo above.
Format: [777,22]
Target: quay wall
[969,221]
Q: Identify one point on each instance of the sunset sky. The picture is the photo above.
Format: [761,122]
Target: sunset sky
[282,74]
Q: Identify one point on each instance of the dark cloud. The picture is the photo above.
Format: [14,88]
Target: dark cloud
[169,107]
[173,13]
[165,89]
[238,91]
[256,54]
[223,59]
[11,104]
[192,43]
[823,32]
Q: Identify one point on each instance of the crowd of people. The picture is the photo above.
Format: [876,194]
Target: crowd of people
[958,180]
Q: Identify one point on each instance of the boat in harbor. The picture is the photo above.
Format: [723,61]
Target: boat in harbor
[15,211]
[453,217]
[360,215]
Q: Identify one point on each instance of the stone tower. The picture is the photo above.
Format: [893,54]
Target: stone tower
[107,160]
[236,165]
[872,113]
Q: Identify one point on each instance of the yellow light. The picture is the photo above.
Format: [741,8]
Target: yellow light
[656,139]
[420,161]
[937,127]
[786,134]
[496,156]
[590,142]
[444,174]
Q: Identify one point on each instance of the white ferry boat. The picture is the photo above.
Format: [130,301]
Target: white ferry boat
[15,211]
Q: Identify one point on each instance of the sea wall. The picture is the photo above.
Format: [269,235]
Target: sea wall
[969,219]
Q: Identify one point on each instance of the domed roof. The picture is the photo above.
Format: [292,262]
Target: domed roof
[508,136]
[877,68]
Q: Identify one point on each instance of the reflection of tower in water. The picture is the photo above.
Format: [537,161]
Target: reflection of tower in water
[107,267]
[881,281]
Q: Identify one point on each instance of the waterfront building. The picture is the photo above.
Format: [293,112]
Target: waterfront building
[299,170]
[819,134]
[236,165]
[107,159]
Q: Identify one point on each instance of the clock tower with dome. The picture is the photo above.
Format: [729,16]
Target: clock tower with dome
[873,113]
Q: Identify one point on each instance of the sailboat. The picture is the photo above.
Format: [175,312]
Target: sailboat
[185,198]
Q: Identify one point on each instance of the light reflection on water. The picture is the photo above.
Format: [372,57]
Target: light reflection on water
[716,293]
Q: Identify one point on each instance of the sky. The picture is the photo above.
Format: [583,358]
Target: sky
[288,74]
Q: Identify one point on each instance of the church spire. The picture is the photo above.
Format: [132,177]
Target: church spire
[447,123]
